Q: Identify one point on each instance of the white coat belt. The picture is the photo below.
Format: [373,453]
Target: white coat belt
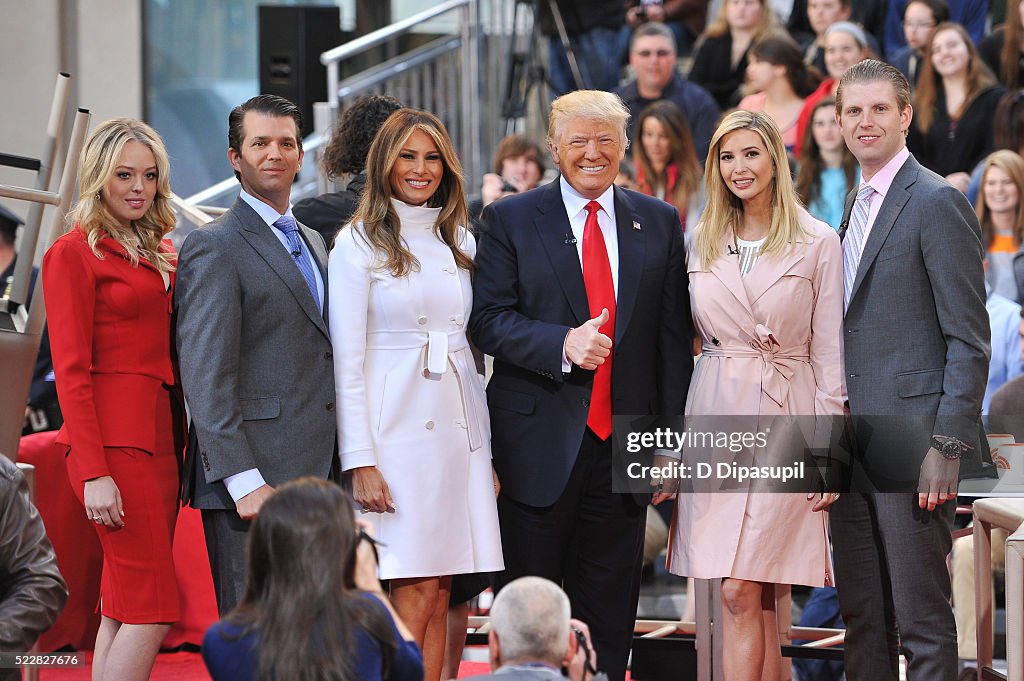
[441,348]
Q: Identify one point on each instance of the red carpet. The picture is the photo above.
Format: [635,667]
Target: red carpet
[189,667]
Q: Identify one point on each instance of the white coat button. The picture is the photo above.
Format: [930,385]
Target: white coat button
[459,319]
[422,320]
[429,425]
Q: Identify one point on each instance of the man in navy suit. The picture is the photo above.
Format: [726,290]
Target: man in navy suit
[580,295]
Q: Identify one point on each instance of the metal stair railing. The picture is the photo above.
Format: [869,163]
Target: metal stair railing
[459,76]
[19,340]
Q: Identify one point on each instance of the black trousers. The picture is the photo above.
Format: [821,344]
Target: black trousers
[590,541]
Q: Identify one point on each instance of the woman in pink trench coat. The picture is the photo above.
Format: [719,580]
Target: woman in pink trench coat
[766,289]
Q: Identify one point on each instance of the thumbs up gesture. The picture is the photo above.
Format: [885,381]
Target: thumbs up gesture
[586,346]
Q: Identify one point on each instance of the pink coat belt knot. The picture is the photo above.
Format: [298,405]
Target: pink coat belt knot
[777,368]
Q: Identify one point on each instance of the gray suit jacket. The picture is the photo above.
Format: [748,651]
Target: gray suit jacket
[916,334]
[255,356]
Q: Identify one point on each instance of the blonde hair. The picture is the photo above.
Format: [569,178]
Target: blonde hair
[724,210]
[381,227]
[720,26]
[99,161]
[1012,164]
[589,104]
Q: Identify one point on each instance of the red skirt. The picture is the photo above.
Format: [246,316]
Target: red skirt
[138,585]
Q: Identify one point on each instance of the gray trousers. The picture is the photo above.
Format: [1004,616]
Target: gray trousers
[226,536]
[894,588]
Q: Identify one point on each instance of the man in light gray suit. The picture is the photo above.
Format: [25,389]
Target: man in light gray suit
[255,354]
[532,636]
[916,341]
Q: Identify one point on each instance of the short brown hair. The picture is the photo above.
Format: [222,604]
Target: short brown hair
[518,145]
[872,69]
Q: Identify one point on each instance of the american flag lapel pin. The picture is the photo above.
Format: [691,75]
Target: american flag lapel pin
[636,225]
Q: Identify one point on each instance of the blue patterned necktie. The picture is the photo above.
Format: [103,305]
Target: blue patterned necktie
[287,224]
[853,242]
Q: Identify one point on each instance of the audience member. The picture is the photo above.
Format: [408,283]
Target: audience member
[532,635]
[1005,362]
[780,81]
[593,30]
[919,21]
[820,15]
[345,156]
[954,105]
[405,376]
[755,540]
[42,412]
[9,223]
[313,607]
[720,57]
[32,590]
[971,14]
[108,286]
[627,175]
[845,45]
[558,372]
[652,56]
[1004,411]
[518,167]
[1001,214]
[827,170]
[914,408]
[257,362]
[1007,133]
[685,18]
[1003,50]
[666,164]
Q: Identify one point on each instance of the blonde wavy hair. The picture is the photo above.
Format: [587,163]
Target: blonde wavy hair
[724,210]
[381,227]
[99,161]
[719,26]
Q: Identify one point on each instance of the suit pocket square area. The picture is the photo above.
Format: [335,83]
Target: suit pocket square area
[260,408]
[924,382]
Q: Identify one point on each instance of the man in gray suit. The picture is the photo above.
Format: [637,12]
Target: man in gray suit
[916,339]
[255,354]
[532,637]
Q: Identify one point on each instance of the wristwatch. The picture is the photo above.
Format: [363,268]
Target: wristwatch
[950,447]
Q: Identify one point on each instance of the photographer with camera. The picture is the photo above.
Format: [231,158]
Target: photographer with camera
[533,638]
[518,167]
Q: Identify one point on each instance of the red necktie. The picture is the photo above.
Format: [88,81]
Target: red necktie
[597,277]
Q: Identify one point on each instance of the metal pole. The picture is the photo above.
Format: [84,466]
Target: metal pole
[30,235]
[470,34]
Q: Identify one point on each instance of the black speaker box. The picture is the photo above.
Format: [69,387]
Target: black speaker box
[291,41]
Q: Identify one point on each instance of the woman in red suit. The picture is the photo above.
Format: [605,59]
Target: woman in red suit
[108,286]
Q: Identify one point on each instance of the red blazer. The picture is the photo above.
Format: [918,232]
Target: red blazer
[111,339]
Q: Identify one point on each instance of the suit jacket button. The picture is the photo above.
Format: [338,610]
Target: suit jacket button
[585,402]
[328,355]
[429,425]
[330,406]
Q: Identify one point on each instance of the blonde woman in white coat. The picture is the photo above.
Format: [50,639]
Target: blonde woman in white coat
[412,416]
